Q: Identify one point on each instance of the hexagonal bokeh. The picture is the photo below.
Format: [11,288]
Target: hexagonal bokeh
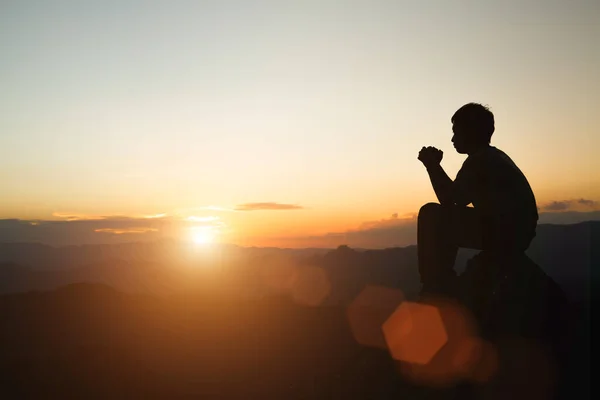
[369,310]
[310,286]
[436,343]
[415,333]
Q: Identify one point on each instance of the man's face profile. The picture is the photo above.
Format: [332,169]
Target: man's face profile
[460,138]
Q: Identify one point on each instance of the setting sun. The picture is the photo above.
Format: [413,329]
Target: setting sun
[203,235]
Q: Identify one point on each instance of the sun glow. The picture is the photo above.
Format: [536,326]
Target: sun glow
[203,235]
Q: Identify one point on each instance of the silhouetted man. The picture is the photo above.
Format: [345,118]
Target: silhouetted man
[504,215]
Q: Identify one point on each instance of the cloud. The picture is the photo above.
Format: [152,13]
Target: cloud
[392,231]
[267,207]
[72,217]
[557,206]
[393,221]
[104,230]
[116,231]
[77,217]
[568,217]
[589,203]
[161,215]
[568,205]
[396,231]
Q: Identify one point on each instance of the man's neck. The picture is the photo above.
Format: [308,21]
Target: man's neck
[479,149]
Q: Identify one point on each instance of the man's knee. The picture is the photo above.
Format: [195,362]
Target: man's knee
[430,211]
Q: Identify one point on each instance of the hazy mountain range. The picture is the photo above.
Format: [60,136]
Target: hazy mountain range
[394,231]
[168,320]
[567,253]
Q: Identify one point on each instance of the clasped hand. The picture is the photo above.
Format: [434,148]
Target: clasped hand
[430,156]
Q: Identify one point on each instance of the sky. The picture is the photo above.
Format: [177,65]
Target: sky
[271,120]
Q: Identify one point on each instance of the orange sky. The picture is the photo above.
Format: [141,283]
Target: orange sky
[112,111]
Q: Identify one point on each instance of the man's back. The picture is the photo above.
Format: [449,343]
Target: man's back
[496,186]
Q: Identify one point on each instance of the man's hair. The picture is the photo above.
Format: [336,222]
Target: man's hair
[477,117]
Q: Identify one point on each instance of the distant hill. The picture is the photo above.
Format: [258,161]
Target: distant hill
[40,256]
[161,321]
[568,253]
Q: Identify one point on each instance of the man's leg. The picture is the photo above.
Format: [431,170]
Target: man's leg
[441,230]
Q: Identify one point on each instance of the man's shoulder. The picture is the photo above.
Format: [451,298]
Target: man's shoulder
[487,159]
[496,152]
[493,156]
[482,156]
[490,151]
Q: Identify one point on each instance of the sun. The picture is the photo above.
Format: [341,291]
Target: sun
[203,235]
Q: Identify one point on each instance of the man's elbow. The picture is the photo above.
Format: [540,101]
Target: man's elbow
[446,199]
[454,200]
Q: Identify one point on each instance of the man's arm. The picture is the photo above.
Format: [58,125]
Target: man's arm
[442,184]
[447,191]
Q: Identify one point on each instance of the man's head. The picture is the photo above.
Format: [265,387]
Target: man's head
[473,126]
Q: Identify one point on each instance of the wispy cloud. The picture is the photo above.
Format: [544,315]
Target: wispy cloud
[573,204]
[589,203]
[89,231]
[72,217]
[568,217]
[77,217]
[399,231]
[267,207]
[557,206]
[125,231]
[396,230]
[393,221]
[155,216]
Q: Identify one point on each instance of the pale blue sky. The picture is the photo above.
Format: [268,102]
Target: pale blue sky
[152,106]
